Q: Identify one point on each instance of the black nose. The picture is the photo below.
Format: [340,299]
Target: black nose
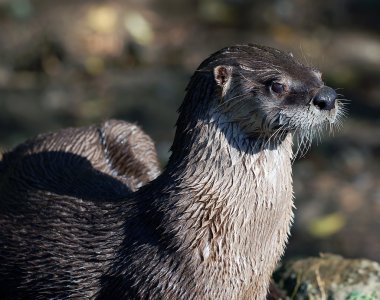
[325,98]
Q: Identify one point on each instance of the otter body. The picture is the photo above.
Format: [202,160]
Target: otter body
[212,226]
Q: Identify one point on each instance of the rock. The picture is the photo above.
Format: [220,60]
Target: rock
[329,277]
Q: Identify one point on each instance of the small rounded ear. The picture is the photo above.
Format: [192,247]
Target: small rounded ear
[222,75]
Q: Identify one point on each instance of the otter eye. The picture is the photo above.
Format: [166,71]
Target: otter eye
[278,88]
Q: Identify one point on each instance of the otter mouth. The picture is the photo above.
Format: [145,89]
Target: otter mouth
[307,117]
[308,122]
[304,122]
[300,118]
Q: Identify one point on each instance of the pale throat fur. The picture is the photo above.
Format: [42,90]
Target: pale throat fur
[239,196]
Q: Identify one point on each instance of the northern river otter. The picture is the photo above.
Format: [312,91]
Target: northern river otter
[211,226]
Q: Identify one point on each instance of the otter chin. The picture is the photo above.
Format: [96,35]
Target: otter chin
[212,225]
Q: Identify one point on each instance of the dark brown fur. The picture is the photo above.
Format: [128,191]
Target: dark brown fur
[211,226]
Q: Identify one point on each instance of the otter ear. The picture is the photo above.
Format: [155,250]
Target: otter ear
[222,75]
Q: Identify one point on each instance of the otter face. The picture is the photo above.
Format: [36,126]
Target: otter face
[270,94]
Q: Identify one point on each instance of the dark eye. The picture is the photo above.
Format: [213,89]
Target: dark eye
[278,88]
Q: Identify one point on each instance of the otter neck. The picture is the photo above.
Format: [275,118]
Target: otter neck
[218,160]
[233,201]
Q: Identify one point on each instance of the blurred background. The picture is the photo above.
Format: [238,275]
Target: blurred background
[73,63]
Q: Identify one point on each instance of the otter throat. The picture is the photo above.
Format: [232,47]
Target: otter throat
[238,212]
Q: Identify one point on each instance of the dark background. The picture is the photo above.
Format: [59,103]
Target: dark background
[72,63]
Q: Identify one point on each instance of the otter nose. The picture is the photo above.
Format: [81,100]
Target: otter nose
[325,98]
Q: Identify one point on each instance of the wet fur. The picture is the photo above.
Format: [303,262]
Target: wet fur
[212,226]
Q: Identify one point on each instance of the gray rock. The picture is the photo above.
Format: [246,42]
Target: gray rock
[329,277]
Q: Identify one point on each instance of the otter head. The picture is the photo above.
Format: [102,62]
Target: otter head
[266,92]
[269,94]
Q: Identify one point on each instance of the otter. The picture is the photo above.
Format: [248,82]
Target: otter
[212,225]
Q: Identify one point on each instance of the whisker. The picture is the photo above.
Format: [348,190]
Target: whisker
[232,99]
[344,100]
